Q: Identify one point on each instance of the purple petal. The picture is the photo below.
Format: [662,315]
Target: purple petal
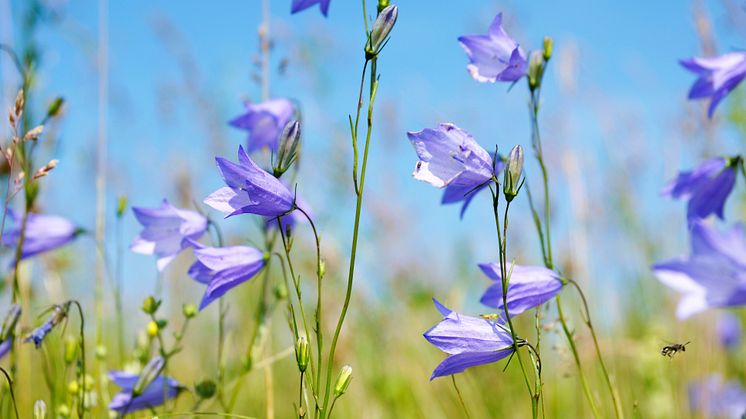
[459,362]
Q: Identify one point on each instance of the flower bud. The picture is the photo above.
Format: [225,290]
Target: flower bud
[63,411]
[287,151]
[302,353]
[55,107]
[512,172]
[71,349]
[381,30]
[40,410]
[121,205]
[149,373]
[150,305]
[9,324]
[281,291]
[189,310]
[382,4]
[535,69]
[205,389]
[101,352]
[548,47]
[152,329]
[343,381]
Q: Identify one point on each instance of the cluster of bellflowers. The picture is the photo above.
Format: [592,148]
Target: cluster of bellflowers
[712,275]
[451,159]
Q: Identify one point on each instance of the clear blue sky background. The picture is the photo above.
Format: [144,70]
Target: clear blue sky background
[625,69]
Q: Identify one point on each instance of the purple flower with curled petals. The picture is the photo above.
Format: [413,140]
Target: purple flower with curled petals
[155,394]
[717,76]
[713,275]
[469,341]
[167,231]
[299,5]
[223,268]
[528,287]
[264,121]
[707,187]
[450,158]
[43,233]
[711,397]
[729,330]
[250,190]
[495,56]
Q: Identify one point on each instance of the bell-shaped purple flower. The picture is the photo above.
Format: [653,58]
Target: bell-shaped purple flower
[250,190]
[495,56]
[707,187]
[264,121]
[167,231]
[299,5]
[717,76]
[713,275]
[528,287]
[711,397]
[469,341]
[43,233]
[154,395]
[450,158]
[729,330]
[223,268]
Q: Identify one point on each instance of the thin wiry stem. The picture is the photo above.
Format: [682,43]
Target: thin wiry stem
[12,395]
[460,398]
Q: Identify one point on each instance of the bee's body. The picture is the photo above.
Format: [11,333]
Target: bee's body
[672,349]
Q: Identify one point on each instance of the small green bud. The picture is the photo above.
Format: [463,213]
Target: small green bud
[101,352]
[189,310]
[10,322]
[55,107]
[149,373]
[548,48]
[343,381]
[121,205]
[162,323]
[535,69]
[205,389]
[71,349]
[381,29]
[63,411]
[150,305]
[40,410]
[281,291]
[382,4]
[287,151]
[302,353]
[512,172]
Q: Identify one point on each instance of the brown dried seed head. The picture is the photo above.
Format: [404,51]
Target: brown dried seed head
[34,133]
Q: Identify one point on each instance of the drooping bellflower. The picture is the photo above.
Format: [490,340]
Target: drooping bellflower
[250,190]
[469,341]
[711,397]
[716,76]
[706,187]
[167,231]
[713,275]
[494,56]
[43,233]
[300,5]
[528,287]
[264,121]
[155,394]
[59,312]
[223,268]
[450,158]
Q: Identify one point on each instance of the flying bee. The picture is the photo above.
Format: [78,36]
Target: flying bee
[672,349]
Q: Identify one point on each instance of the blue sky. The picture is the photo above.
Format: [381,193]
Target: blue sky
[623,64]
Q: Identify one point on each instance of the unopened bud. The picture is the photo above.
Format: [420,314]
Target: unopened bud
[281,291]
[34,133]
[287,151]
[535,69]
[18,107]
[55,107]
[512,174]
[9,324]
[343,381]
[382,4]
[40,410]
[189,310]
[150,305]
[152,329]
[205,389]
[302,353]
[149,373]
[381,29]
[548,48]
[121,205]
[71,349]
